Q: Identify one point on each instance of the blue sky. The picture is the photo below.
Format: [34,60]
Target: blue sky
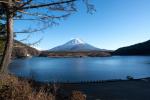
[115,24]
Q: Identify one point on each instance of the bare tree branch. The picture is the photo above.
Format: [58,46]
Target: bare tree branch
[49,4]
[29,30]
[22,5]
[44,16]
[34,43]
[28,2]
[26,38]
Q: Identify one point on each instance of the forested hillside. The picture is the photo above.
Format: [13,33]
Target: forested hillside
[137,49]
[22,50]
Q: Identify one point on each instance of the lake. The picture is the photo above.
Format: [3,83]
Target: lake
[81,69]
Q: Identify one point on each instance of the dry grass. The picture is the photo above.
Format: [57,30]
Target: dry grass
[77,95]
[11,88]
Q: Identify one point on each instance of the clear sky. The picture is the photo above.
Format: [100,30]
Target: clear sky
[116,23]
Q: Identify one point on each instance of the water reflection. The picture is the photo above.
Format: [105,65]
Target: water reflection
[78,69]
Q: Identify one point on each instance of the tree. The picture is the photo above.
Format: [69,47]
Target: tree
[44,12]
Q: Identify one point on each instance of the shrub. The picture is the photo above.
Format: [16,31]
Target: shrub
[77,95]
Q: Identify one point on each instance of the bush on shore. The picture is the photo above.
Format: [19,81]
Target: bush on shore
[78,95]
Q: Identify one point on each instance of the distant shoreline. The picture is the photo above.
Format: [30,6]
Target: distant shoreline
[76,54]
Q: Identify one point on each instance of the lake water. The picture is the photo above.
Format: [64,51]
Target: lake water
[81,69]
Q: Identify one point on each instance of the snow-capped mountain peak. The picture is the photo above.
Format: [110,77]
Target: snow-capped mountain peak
[75,41]
[75,45]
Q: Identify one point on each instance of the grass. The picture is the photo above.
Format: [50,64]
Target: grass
[13,88]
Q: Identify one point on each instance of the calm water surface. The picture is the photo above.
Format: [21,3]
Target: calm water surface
[78,69]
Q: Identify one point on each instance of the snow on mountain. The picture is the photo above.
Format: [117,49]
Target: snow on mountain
[75,45]
[75,41]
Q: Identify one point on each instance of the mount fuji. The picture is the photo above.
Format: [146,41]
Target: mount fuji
[75,45]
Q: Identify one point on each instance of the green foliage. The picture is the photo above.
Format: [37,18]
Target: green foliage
[2,11]
[2,44]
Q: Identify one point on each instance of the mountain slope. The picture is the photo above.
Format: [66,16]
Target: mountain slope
[75,45]
[137,49]
[21,50]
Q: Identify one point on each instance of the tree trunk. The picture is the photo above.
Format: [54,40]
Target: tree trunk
[9,43]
